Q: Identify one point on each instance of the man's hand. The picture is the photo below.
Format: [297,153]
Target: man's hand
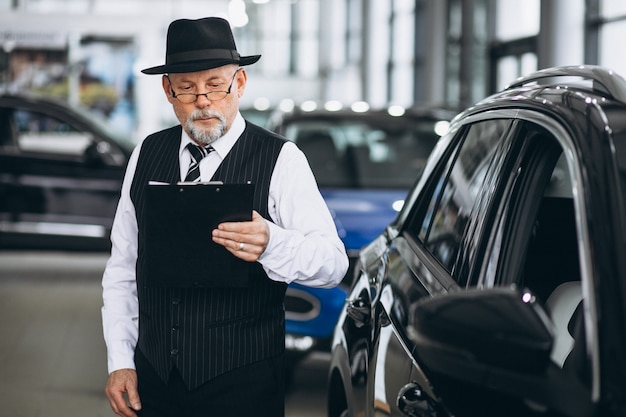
[123,382]
[245,240]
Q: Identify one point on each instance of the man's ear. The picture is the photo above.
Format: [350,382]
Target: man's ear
[167,88]
[242,79]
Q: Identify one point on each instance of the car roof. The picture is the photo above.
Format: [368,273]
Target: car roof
[552,91]
[373,116]
[588,101]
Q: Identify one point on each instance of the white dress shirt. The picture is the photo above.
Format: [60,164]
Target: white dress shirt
[303,243]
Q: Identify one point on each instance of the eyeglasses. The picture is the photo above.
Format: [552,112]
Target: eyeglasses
[189,98]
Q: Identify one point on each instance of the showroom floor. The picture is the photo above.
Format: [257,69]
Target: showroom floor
[52,355]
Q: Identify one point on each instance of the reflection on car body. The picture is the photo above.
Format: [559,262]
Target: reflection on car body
[498,290]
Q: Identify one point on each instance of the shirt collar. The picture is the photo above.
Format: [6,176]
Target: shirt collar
[224,144]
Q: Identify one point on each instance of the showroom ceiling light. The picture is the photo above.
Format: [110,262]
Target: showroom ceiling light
[308,106]
[396,110]
[360,107]
[333,105]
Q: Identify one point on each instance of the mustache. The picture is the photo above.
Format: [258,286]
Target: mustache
[204,113]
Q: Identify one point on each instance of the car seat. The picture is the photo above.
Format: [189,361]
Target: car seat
[561,306]
[326,161]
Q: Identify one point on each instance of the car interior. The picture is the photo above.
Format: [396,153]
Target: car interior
[326,161]
[357,155]
[552,272]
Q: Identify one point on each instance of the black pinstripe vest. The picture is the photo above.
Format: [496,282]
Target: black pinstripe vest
[207,332]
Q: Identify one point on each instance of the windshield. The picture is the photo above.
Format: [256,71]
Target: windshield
[365,153]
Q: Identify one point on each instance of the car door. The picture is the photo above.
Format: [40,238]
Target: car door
[421,263]
[59,180]
[530,240]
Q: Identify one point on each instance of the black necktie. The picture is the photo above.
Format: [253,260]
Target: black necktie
[197,153]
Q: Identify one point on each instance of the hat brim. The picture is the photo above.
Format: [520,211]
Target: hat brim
[195,66]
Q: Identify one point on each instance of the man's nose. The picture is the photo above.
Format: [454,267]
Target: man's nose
[202,100]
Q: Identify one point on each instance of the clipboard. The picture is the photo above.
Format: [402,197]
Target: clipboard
[179,219]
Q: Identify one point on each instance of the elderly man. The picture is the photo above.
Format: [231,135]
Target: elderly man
[212,351]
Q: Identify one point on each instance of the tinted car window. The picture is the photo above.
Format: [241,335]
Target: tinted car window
[37,132]
[443,225]
[363,154]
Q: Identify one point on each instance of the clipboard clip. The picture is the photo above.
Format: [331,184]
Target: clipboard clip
[200,183]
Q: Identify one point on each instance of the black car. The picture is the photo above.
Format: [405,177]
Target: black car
[61,172]
[499,290]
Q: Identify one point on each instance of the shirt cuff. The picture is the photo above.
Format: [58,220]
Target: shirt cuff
[121,356]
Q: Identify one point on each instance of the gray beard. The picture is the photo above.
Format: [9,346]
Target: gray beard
[205,136]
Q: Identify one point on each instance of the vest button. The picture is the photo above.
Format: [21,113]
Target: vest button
[175,301]
[174,352]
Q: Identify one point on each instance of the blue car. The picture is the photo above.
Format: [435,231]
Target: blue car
[364,163]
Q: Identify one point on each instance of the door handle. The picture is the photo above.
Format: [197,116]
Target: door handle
[359,311]
[412,401]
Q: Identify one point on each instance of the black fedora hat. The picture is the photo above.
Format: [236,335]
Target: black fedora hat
[198,45]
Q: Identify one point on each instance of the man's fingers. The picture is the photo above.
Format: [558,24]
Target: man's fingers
[119,406]
[120,383]
[133,399]
[256,225]
[254,236]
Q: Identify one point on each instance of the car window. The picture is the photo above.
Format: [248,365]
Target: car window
[39,132]
[364,153]
[536,227]
[536,245]
[443,225]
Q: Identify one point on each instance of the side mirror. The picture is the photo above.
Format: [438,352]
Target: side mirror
[487,352]
[500,327]
[93,154]
[100,153]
